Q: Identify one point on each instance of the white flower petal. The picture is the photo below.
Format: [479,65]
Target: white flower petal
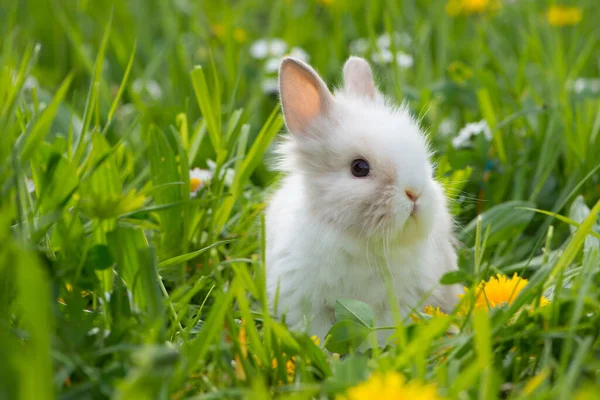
[384,56]
[154,89]
[270,86]
[470,130]
[149,87]
[30,185]
[384,41]
[31,83]
[404,60]
[359,46]
[277,47]
[259,49]
[272,65]
[211,165]
[404,39]
[447,127]
[229,176]
[460,141]
[585,84]
[300,54]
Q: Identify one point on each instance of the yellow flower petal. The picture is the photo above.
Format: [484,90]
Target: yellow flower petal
[563,15]
[498,291]
[470,7]
[240,35]
[316,340]
[391,385]
[434,312]
[218,30]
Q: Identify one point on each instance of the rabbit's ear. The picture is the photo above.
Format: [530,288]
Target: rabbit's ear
[304,95]
[358,78]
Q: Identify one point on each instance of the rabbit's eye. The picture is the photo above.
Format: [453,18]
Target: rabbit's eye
[359,168]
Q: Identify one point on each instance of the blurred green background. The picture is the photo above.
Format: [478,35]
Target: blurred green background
[133,140]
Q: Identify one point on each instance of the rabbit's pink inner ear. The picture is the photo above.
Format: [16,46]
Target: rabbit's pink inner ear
[358,78]
[303,95]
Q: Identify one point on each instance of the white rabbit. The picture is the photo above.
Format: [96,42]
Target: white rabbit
[358,193]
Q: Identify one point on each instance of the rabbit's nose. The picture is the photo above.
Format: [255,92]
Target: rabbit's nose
[412,195]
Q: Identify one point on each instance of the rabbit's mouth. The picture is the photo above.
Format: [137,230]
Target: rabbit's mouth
[414,211]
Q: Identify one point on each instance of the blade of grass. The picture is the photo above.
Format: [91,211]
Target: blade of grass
[186,257]
[35,137]
[122,87]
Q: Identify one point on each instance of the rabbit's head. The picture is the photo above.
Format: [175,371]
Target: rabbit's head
[365,163]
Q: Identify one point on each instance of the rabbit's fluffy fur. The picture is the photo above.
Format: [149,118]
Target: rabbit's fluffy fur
[333,235]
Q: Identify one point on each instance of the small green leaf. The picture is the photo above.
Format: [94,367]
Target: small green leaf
[345,336]
[285,337]
[452,277]
[354,310]
[99,257]
[348,372]
[39,129]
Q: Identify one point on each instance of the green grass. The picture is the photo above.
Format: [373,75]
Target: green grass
[114,283]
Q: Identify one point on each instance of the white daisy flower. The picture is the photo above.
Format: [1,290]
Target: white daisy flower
[270,86]
[383,56]
[580,85]
[470,130]
[300,54]
[125,111]
[399,39]
[263,48]
[404,60]
[30,185]
[447,127]
[183,5]
[384,41]
[198,178]
[404,39]
[31,83]
[277,47]
[359,46]
[149,87]
[272,65]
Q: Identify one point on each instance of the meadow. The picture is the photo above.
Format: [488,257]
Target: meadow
[135,139]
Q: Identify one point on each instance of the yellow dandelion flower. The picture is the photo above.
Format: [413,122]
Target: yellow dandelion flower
[219,30]
[564,15]
[240,35]
[290,364]
[316,340]
[429,310]
[391,385]
[239,370]
[290,367]
[434,312]
[457,7]
[498,291]
[470,7]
